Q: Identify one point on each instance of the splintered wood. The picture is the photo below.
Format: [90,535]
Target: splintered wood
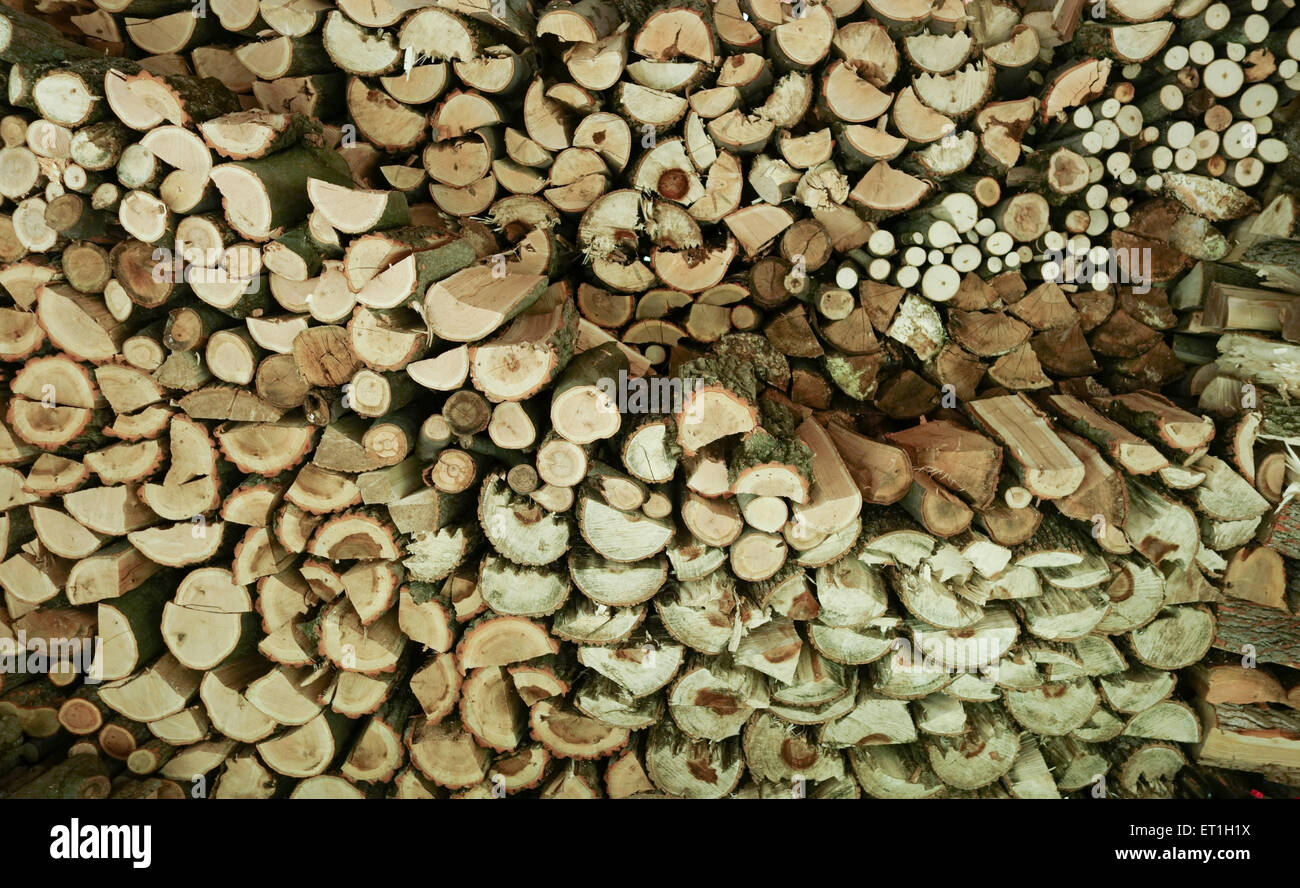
[698,398]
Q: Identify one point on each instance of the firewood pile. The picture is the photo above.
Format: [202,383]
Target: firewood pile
[476,398]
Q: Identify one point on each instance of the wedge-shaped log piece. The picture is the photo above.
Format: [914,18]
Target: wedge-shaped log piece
[1177,638]
[620,536]
[1136,689]
[1146,769]
[1077,84]
[161,690]
[513,590]
[712,700]
[502,641]
[873,721]
[222,693]
[773,755]
[1224,495]
[473,303]
[547,676]
[963,461]
[835,500]
[696,269]
[433,555]
[957,94]
[896,772]
[883,473]
[356,210]
[1130,451]
[771,648]
[1102,493]
[700,612]
[1055,709]
[62,534]
[568,734]
[984,753]
[190,486]
[527,356]
[263,197]
[266,448]
[1041,460]
[1160,528]
[129,629]
[361,534]
[614,583]
[210,619]
[436,687]
[930,600]
[850,594]
[352,646]
[491,710]
[290,696]
[886,191]
[520,529]
[1160,421]
[113,511]
[583,622]
[974,649]
[697,769]
[854,646]
[1136,593]
[306,750]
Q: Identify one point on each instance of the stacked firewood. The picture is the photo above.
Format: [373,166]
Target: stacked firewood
[614,398]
